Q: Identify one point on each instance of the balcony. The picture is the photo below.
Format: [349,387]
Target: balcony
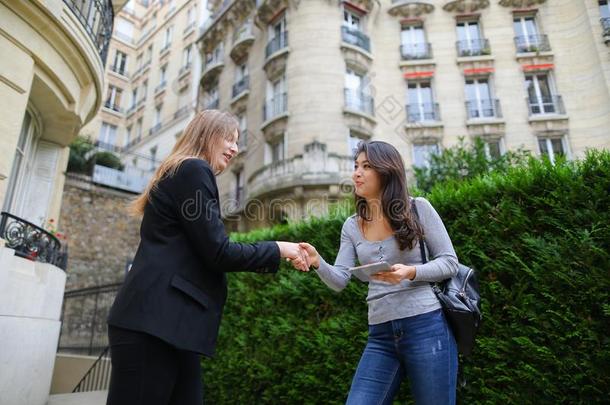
[156,128]
[243,38]
[241,87]
[32,242]
[122,180]
[552,105]
[160,87]
[315,167]
[109,147]
[122,72]
[416,51]
[181,112]
[410,8]
[212,68]
[359,102]
[130,110]
[484,109]
[532,44]
[163,51]
[113,107]
[276,44]
[275,108]
[356,38]
[606,29]
[97,17]
[211,104]
[423,113]
[189,28]
[473,47]
[185,69]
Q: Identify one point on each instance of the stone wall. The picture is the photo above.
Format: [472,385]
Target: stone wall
[102,236]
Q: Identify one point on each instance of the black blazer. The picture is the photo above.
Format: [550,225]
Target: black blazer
[176,288]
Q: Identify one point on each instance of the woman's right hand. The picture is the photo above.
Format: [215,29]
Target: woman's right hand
[293,253]
[312,254]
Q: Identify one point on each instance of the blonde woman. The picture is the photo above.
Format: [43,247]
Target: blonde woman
[167,313]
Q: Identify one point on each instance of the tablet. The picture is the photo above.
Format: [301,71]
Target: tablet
[364,272]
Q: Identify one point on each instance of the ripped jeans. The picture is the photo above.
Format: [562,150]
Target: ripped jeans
[420,348]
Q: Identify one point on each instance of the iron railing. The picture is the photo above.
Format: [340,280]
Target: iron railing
[416,51]
[31,241]
[277,43]
[113,107]
[546,105]
[276,106]
[97,378]
[212,104]
[241,86]
[356,37]
[356,100]
[473,47]
[423,112]
[84,329]
[97,17]
[155,128]
[484,108]
[532,43]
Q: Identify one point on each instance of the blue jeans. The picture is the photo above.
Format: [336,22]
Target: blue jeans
[421,348]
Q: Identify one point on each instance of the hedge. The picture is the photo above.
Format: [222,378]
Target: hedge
[539,237]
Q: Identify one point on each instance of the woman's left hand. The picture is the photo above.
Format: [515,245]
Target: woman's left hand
[397,273]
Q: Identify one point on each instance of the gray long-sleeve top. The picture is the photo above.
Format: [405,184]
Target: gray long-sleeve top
[387,302]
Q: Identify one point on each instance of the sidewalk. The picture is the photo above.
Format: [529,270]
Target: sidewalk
[79,398]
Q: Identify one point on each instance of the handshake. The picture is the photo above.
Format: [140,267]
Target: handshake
[301,255]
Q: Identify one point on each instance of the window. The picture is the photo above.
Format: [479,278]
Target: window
[113,98]
[187,55]
[470,40]
[120,63]
[168,36]
[357,92]
[153,157]
[128,135]
[243,131]
[276,98]
[277,28]
[241,71]
[278,38]
[479,100]
[139,128]
[422,154]
[352,20]
[139,61]
[493,148]
[107,136]
[158,115]
[239,186]
[144,89]
[353,139]
[420,99]
[413,42]
[23,165]
[275,151]
[553,148]
[604,8]
[541,97]
[149,52]
[527,35]
[190,16]
[134,97]
[162,75]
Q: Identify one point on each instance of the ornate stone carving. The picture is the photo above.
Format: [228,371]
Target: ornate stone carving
[520,3]
[410,8]
[465,6]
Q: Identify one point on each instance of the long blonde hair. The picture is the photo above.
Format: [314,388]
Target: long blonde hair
[200,139]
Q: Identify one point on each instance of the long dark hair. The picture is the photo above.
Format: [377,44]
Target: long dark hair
[395,199]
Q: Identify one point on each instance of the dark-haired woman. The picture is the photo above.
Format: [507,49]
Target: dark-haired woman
[408,334]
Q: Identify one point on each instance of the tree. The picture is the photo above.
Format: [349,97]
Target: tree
[464,161]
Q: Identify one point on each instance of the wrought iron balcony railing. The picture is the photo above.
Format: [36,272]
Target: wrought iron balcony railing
[241,86]
[160,87]
[277,43]
[546,105]
[97,18]
[278,105]
[185,68]
[485,108]
[356,37]
[356,100]
[473,47]
[606,26]
[113,107]
[416,51]
[155,128]
[32,242]
[532,43]
[423,112]
[212,105]
[118,70]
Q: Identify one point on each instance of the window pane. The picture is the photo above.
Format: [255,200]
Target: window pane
[543,149]
[493,148]
[557,145]
[422,153]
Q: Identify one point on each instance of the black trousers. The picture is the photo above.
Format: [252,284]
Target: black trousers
[149,371]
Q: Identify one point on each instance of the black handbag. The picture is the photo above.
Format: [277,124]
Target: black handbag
[461,301]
